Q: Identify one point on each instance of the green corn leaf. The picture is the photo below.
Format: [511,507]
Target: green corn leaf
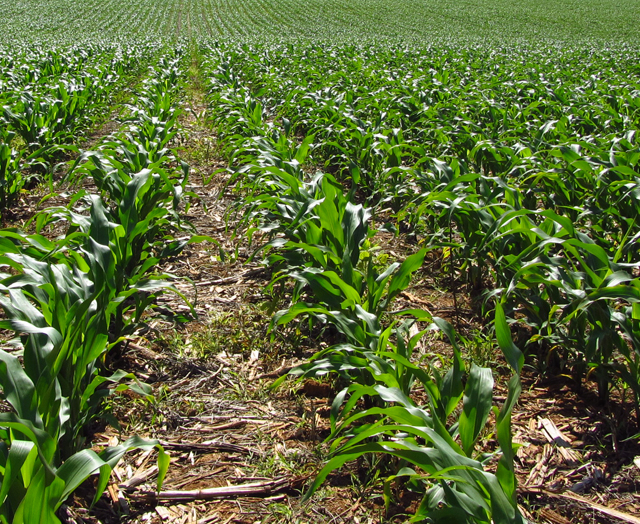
[163,466]
[617,292]
[113,454]
[18,388]
[514,356]
[506,472]
[401,278]
[19,452]
[80,466]
[41,500]
[478,396]
[303,149]
[44,443]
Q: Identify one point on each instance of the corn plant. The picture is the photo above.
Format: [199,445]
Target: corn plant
[35,485]
[129,273]
[430,450]
[136,221]
[524,177]
[54,118]
[69,303]
[11,178]
[60,309]
[573,298]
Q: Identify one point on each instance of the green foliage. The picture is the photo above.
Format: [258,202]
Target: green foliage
[518,162]
[422,438]
[33,488]
[461,21]
[69,302]
[49,100]
[317,237]
[525,177]
[521,172]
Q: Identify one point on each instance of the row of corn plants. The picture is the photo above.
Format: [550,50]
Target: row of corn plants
[51,98]
[525,175]
[251,21]
[72,300]
[319,242]
[573,290]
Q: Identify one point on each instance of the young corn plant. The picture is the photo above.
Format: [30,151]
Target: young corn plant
[59,309]
[132,280]
[11,178]
[322,235]
[577,298]
[138,216]
[434,453]
[70,302]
